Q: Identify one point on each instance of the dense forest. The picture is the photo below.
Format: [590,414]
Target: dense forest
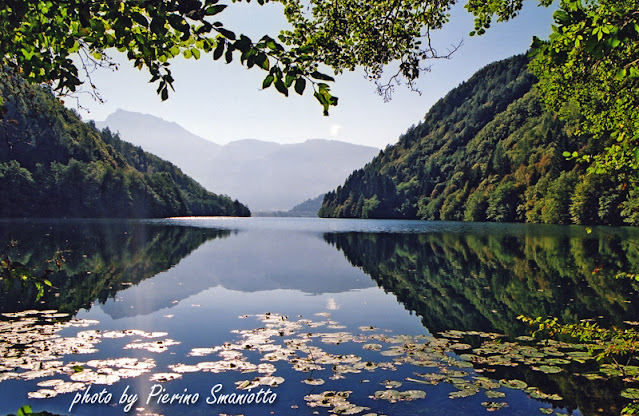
[54,165]
[488,151]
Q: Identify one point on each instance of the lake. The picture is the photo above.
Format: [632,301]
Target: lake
[284,316]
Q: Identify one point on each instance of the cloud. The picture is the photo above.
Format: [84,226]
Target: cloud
[335,128]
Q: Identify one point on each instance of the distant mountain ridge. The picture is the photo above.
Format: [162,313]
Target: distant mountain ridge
[267,176]
[308,209]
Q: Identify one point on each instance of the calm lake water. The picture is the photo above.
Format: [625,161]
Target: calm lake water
[262,316]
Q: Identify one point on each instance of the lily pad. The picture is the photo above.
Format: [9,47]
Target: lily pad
[492,394]
[313,381]
[395,396]
[631,393]
[493,406]
[548,369]
[513,384]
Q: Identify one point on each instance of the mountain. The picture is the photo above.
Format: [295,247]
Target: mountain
[308,208]
[159,137]
[488,151]
[267,176]
[54,165]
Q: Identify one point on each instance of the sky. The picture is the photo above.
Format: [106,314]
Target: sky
[225,103]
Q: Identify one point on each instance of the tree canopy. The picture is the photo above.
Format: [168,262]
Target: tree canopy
[40,37]
[589,65]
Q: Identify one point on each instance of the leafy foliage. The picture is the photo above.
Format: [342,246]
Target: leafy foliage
[53,165]
[345,35]
[27,411]
[14,272]
[40,37]
[590,65]
[611,341]
[488,151]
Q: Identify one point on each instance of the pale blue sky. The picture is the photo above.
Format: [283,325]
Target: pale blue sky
[224,103]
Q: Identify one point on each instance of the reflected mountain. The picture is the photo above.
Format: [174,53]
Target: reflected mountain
[134,267]
[483,281]
[250,261]
[100,258]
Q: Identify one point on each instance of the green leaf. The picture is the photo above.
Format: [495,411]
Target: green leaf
[268,81]
[262,61]
[210,11]
[321,77]
[187,53]
[300,84]
[140,19]
[157,26]
[219,49]
[288,80]
[279,85]
[196,53]
[178,23]
[614,42]
[24,410]
[226,33]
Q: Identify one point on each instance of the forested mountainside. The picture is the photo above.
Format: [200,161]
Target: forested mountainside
[487,151]
[54,165]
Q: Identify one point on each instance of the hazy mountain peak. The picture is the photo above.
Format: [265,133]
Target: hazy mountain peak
[268,176]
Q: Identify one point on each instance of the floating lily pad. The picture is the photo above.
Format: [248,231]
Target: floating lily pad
[492,394]
[486,383]
[513,384]
[372,347]
[462,393]
[460,346]
[611,370]
[557,361]
[493,406]
[631,393]
[313,381]
[395,396]
[535,393]
[525,338]
[548,369]
[165,377]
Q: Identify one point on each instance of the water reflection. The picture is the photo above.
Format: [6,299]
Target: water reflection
[484,281]
[475,281]
[186,286]
[100,258]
